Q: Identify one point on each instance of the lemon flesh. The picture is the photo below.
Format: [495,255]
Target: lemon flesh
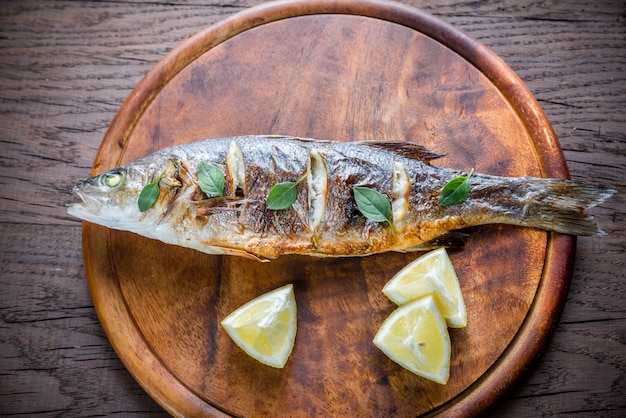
[265,327]
[416,337]
[432,273]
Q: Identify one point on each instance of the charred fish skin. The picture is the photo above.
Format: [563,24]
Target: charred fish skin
[324,219]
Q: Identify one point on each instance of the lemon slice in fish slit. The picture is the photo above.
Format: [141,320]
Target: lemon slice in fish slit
[416,337]
[265,327]
[432,273]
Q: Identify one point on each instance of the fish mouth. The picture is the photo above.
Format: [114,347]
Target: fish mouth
[88,205]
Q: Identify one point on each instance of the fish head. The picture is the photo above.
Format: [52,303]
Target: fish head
[111,198]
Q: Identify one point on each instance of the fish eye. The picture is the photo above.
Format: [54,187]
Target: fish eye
[113,178]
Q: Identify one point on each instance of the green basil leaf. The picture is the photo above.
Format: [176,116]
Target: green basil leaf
[210,180]
[456,190]
[282,195]
[149,194]
[373,205]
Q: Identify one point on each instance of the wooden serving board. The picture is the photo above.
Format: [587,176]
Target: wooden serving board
[344,71]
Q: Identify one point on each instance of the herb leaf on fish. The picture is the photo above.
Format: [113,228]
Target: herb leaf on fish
[373,205]
[456,190]
[282,195]
[210,180]
[149,194]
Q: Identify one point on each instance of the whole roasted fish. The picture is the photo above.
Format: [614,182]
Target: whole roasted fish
[324,220]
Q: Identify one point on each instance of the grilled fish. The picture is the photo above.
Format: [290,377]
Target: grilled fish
[324,220]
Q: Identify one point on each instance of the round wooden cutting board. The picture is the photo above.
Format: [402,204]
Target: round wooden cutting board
[345,71]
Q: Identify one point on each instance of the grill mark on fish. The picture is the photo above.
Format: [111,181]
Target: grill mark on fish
[324,219]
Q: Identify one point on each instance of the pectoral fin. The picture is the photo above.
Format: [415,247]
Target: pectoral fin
[452,239]
[242,253]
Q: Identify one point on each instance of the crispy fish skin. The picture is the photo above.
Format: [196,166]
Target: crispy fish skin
[324,220]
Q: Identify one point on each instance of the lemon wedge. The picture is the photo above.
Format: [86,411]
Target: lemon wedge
[416,337]
[265,327]
[431,273]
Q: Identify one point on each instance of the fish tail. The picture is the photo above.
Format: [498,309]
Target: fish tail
[559,205]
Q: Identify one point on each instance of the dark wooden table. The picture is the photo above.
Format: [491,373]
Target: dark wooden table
[67,66]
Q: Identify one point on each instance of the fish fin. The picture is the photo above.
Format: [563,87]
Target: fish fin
[406,149]
[561,206]
[207,207]
[242,253]
[450,239]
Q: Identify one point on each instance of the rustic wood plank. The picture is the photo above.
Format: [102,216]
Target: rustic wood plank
[66,67]
[53,353]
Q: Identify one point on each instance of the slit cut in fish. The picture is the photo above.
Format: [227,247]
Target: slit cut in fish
[236,169]
[318,188]
[400,193]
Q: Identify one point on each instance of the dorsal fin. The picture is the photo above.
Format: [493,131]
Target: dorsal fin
[406,149]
